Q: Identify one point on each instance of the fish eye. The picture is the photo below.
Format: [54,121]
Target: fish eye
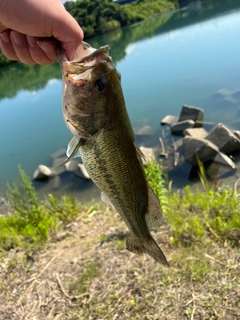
[99,85]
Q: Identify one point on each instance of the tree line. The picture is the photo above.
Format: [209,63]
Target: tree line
[101,16]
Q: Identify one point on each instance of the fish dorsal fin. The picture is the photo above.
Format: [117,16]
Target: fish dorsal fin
[153,216]
[73,150]
[140,154]
[105,199]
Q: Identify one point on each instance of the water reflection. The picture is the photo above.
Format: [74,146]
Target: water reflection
[176,59]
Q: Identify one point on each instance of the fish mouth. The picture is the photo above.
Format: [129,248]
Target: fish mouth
[87,57]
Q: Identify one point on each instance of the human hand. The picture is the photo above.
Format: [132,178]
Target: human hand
[28,29]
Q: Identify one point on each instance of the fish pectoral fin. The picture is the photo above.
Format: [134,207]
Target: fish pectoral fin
[139,246]
[153,216]
[73,149]
[105,199]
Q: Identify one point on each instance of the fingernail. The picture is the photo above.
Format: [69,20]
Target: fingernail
[31,41]
[5,37]
[17,37]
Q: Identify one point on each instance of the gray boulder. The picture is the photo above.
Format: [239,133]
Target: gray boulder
[221,94]
[58,165]
[148,153]
[236,95]
[56,183]
[180,126]
[224,160]
[199,133]
[169,120]
[59,153]
[42,172]
[227,102]
[195,148]
[191,113]
[71,165]
[145,131]
[224,139]
[82,172]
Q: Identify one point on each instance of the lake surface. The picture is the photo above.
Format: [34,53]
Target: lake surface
[165,62]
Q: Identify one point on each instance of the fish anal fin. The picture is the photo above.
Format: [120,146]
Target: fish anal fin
[153,216]
[140,246]
[134,244]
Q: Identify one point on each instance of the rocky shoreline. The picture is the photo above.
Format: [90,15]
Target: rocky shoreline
[186,138]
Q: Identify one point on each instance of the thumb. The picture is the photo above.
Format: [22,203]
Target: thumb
[70,34]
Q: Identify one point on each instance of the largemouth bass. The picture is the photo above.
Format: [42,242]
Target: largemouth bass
[94,111]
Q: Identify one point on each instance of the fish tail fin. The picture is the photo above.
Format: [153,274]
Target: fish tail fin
[139,246]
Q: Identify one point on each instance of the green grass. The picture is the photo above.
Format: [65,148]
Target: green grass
[103,281]
[194,216]
[33,221]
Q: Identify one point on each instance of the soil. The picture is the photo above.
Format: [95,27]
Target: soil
[85,272]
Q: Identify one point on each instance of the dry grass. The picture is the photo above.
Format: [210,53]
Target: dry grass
[87,274]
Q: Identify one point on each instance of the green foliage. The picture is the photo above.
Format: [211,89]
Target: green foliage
[142,9]
[66,210]
[17,77]
[101,16]
[193,216]
[4,61]
[154,173]
[33,221]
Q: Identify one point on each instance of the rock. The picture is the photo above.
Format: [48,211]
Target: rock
[56,183]
[58,162]
[4,207]
[169,120]
[180,126]
[191,113]
[145,131]
[71,165]
[237,133]
[227,102]
[58,165]
[58,153]
[221,94]
[236,95]
[224,139]
[148,154]
[206,124]
[42,172]
[225,160]
[193,147]
[198,133]
[82,172]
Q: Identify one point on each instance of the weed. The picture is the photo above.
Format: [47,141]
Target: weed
[32,221]
[195,215]
[91,270]
[154,173]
